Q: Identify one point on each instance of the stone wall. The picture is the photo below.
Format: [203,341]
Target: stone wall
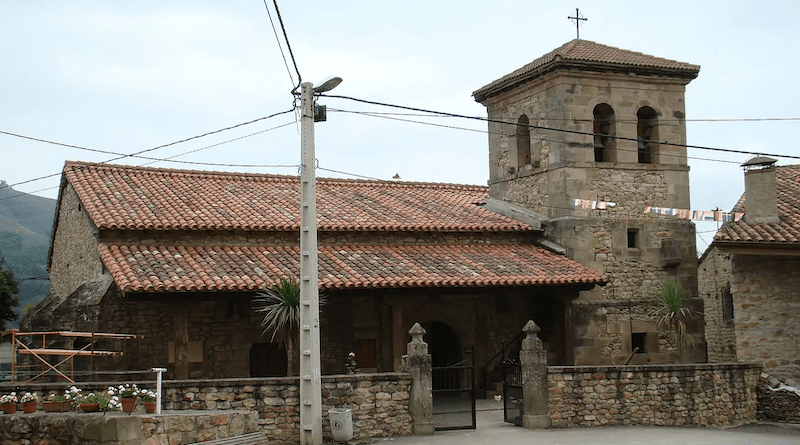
[379,405]
[777,403]
[76,428]
[379,402]
[766,305]
[75,259]
[658,395]
[714,282]
[605,331]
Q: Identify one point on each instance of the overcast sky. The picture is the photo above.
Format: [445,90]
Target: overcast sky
[128,76]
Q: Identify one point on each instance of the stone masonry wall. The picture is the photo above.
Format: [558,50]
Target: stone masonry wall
[666,395]
[378,403]
[75,258]
[714,278]
[116,428]
[766,301]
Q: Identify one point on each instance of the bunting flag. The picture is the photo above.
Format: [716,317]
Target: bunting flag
[696,215]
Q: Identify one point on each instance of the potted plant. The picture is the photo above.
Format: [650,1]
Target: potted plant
[94,401]
[56,403]
[29,402]
[149,399]
[9,402]
[127,394]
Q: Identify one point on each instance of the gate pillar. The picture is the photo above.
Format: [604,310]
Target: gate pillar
[418,363]
[535,391]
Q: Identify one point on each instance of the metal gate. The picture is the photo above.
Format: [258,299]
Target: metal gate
[454,396]
[513,406]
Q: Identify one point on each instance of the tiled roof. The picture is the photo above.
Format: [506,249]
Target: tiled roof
[785,232]
[137,198]
[585,54]
[151,268]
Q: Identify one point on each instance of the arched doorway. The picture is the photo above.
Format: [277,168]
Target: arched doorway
[443,344]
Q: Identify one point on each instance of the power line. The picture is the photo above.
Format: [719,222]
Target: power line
[559,130]
[280,47]
[171,158]
[724,119]
[288,45]
[543,138]
[123,156]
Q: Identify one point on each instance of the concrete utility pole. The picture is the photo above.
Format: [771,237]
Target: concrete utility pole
[310,373]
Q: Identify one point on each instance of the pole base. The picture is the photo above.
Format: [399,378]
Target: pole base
[536,422]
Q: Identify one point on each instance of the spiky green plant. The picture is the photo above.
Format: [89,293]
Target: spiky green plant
[668,306]
[281,308]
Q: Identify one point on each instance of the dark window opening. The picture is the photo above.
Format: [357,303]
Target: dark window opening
[633,238]
[727,303]
[639,342]
[523,136]
[603,132]
[647,134]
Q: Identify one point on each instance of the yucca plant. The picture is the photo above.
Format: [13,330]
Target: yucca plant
[668,306]
[281,308]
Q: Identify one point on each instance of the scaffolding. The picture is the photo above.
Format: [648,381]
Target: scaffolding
[18,346]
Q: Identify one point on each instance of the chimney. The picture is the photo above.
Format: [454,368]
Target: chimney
[761,198]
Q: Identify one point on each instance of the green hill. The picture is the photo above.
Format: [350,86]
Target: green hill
[25,225]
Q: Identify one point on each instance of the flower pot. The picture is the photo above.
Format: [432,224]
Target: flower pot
[128,403]
[29,407]
[89,407]
[9,408]
[150,407]
[55,407]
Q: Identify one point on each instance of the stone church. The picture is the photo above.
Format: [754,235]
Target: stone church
[581,140]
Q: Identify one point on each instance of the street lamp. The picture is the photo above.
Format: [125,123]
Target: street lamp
[310,373]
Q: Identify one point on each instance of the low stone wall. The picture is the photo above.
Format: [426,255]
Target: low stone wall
[379,402]
[664,395]
[75,428]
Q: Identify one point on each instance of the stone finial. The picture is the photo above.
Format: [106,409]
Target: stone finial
[531,341]
[417,345]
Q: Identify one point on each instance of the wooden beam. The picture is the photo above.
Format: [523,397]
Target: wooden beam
[67,352]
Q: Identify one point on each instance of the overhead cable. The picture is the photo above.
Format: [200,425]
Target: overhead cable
[559,130]
[123,156]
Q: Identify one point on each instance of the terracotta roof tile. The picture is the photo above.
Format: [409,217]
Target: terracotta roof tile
[137,198]
[138,268]
[592,56]
[787,231]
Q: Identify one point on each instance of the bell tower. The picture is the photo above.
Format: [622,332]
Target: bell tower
[593,137]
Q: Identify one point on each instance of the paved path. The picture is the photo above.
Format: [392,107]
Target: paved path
[493,431]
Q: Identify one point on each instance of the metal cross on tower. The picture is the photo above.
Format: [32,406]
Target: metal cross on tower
[577,19]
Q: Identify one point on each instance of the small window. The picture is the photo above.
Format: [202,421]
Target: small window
[647,134]
[523,136]
[603,133]
[633,238]
[727,303]
[639,342]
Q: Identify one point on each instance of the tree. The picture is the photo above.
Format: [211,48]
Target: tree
[9,287]
[668,307]
[281,308]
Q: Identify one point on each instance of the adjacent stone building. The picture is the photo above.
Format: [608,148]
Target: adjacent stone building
[750,275]
[591,136]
